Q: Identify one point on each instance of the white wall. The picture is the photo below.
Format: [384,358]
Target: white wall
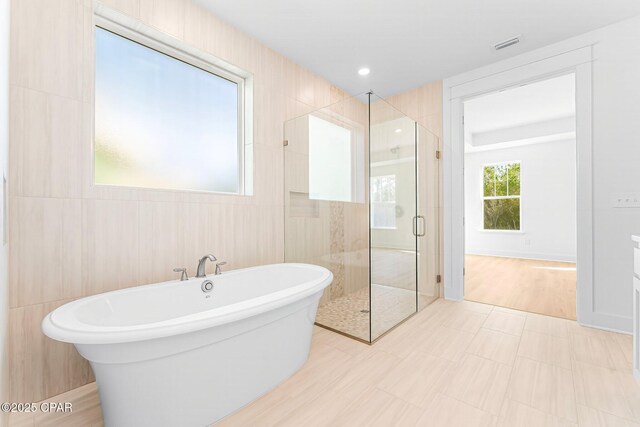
[616,154]
[614,73]
[4,138]
[547,205]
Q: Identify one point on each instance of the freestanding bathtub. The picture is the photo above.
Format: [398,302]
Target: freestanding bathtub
[173,354]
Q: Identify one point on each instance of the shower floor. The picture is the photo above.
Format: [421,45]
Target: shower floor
[350,313]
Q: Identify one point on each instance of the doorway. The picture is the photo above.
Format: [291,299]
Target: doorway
[519,182]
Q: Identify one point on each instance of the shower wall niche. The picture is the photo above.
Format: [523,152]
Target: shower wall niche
[361,196]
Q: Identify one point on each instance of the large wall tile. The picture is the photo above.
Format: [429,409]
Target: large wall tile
[166,15]
[41,367]
[45,250]
[46,45]
[258,236]
[206,229]
[128,7]
[158,241]
[46,151]
[269,164]
[110,245]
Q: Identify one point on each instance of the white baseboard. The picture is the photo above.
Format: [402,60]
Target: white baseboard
[523,255]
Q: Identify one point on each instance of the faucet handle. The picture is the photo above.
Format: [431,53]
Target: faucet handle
[218,270]
[184,275]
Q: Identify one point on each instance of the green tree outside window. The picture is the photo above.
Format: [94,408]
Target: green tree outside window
[501,191]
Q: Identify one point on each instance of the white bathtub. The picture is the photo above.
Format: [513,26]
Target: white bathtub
[170,354]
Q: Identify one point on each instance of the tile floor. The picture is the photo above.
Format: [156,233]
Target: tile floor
[351,313]
[454,364]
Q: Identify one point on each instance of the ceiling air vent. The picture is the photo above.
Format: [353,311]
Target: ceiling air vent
[507,43]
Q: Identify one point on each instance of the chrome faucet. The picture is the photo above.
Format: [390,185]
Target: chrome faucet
[218,269]
[201,264]
[183,276]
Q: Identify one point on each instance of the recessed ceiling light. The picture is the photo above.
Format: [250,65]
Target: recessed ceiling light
[364,71]
[398,130]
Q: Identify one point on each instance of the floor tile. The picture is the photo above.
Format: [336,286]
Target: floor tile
[602,389]
[464,320]
[494,345]
[510,311]
[547,325]
[269,409]
[377,408]
[505,322]
[545,348]
[479,382]
[477,307]
[444,342]
[448,412]
[401,341]
[417,379]
[366,374]
[545,387]
[589,417]
[519,415]
[317,412]
[619,346]
[591,349]
[631,388]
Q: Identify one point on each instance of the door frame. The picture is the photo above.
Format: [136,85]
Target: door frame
[537,65]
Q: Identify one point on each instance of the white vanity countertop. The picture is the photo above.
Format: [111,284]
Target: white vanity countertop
[635,238]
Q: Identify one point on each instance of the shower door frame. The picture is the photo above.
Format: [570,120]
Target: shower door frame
[366,176]
[415,216]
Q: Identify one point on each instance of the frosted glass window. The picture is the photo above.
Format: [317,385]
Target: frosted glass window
[383,201]
[163,123]
[330,161]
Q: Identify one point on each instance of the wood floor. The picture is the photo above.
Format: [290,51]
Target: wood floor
[544,287]
[454,364]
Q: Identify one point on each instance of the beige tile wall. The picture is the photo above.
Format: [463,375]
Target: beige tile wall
[423,104]
[68,238]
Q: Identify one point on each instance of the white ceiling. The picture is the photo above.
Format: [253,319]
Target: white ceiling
[536,112]
[532,103]
[407,43]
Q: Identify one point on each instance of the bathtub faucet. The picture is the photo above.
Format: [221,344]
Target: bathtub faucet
[200,272]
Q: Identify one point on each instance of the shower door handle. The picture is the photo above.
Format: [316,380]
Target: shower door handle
[418,226]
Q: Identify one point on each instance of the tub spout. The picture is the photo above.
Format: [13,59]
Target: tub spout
[201,264]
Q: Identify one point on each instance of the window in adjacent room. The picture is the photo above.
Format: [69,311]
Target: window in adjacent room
[383,201]
[501,201]
[165,119]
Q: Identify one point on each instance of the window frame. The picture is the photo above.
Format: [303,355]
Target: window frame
[483,198]
[395,203]
[130,29]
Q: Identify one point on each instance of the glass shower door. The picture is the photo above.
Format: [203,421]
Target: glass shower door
[429,278]
[326,209]
[354,202]
[394,221]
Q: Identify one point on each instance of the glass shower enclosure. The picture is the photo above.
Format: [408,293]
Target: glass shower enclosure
[361,199]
